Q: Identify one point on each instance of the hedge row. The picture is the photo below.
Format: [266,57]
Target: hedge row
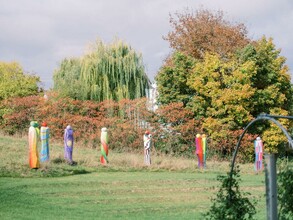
[173,126]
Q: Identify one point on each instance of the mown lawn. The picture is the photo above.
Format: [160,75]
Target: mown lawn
[124,189]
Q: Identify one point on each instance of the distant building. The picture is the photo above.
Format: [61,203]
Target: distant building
[152,94]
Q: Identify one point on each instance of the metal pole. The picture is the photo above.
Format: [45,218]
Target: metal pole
[271,187]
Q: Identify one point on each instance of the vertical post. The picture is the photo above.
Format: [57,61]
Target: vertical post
[271,187]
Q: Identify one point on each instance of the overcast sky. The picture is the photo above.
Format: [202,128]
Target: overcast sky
[40,33]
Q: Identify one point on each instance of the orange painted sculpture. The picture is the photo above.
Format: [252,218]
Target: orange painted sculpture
[33,137]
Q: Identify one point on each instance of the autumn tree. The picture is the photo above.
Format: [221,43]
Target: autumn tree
[108,71]
[195,33]
[15,83]
[222,97]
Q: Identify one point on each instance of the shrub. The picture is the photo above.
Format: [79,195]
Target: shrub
[285,191]
[230,203]
[16,113]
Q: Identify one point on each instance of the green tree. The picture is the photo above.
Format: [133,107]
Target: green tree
[172,79]
[273,89]
[67,78]
[272,78]
[114,71]
[224,85]
[222,97]
[230,93]
[15,83]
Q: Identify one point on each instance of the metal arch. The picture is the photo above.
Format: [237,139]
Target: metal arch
[259,118]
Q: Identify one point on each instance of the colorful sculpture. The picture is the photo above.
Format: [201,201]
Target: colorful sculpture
[44,143]
[199,150]
[104,146]
[147,140]
[68,144]
[204,149]
[33,137]
[258,149]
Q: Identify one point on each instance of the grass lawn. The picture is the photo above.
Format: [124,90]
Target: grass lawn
[172,188]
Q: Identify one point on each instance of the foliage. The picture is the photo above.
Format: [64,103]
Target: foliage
[15,83]
[177,129]
[67,78]
[230,203]
[272,77]
[125,120]
[273,89]
[16,113]
[172,80]
[222,99]
[227,92]
[225,87]
[173,126]
[196,33]
[107,72]
[273,136]
[285,190]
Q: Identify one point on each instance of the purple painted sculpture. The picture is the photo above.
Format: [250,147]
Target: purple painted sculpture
[68,144]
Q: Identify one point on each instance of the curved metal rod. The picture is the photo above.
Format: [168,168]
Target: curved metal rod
[275,116]
[259,118]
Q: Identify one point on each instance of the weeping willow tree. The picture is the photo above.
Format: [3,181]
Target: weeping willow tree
[106,72]
[67,78]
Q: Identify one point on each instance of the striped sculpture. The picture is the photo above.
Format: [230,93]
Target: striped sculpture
[104,146]
[258,149]
[199,150]
[33,137]
[204,149]
[44,143]
[147,147]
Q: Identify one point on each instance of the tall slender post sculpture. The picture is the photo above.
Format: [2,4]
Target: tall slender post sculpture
[199,150]
[68,144]
[147,140]
[204,149]
[104,146]
[258,149]
[33,136]
[44,142]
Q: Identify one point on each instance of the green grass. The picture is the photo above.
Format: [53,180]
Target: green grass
[172,188]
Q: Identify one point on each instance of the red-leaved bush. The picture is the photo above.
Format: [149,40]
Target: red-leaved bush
[173,127]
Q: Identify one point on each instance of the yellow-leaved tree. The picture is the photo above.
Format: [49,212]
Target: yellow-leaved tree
[15,83]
